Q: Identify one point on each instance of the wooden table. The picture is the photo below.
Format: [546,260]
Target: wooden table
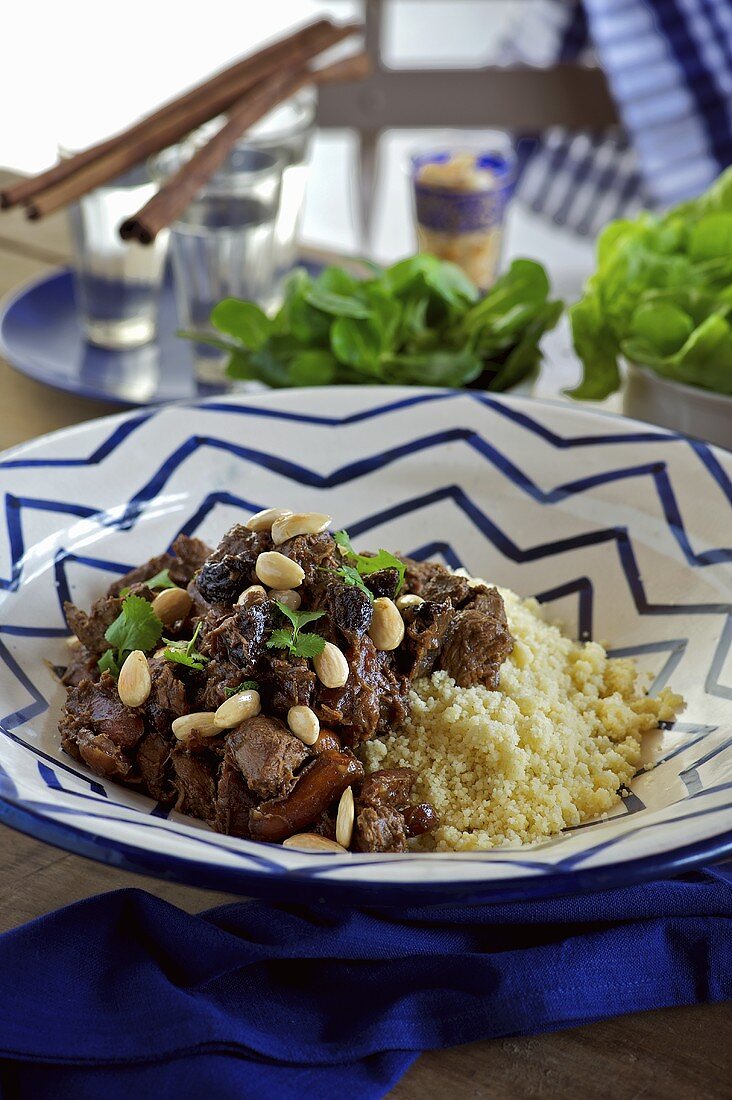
[676,1052]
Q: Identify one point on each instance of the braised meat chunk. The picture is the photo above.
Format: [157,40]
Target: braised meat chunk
[236,685]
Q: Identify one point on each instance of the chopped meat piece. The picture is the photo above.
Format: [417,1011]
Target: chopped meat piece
[426,626]
[142,573]
[82,666]
[96,707]
[194,780]
[349,609]
[389,787]
[230,569]
[379,830]
[419,573]
[487,600]
[103,756]
[291,682]
[383,583]
[90,629]
[167,699]
[313,553]
[190,554]
[242,636]
[476,647]
[234,801]
[266,753]
[152,762]
[369,698]
[318,787]
[420,819]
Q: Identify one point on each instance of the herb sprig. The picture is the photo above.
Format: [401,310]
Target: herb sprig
[160,580]
[298,645]
[185,653]
[245,685]
[363,564]
[136,627]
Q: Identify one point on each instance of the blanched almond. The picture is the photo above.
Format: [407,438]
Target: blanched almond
[277,571]
[345,817]
[262,521]
[303,722]
[331,666]
[299,523]
[408,600]
[172,604]
[200,722]
[387,626]
[134,683]
[245,704]
[312,842]
[287,596]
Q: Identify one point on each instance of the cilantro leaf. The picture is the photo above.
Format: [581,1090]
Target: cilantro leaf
[161,580]
[108,663]
[343,542]
[245,685]
[185,653]
[299,618]
[136,627]
[180,657]
[350,575]
[365,564]
[308,645]
[299,645]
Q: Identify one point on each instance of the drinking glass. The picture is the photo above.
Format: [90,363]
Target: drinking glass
[222,246]
[117,282]
[461,192]
[287,132]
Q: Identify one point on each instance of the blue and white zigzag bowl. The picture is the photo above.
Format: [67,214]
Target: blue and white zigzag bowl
[625,531]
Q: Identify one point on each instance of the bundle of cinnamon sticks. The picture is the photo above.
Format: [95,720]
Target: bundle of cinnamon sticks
[245,92]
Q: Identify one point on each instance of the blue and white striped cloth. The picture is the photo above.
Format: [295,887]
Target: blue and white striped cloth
[669,65]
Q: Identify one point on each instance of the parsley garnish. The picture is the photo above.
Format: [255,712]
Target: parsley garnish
[299,645]
[108,663]
[160,580]
[363,564]
[185,653]
[245,685]
[349,575]
[136,627]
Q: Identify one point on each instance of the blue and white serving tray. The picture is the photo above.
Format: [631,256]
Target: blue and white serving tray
[623,531]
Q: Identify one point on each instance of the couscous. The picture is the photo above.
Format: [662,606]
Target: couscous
[551,747]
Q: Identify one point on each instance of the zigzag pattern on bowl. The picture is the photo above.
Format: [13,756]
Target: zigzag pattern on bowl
[623,532]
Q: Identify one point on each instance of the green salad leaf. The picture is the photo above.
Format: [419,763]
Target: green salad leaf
[661,296]
[419,322]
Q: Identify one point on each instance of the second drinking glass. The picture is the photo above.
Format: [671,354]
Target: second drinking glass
[222,247]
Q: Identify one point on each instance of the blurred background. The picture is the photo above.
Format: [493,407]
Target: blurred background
[117,62]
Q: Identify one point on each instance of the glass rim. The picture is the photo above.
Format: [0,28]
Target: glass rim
[235,183]
[486,143]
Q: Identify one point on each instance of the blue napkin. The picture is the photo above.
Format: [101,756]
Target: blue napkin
[124,995]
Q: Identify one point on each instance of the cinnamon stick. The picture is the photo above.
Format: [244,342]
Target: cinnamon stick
[178,117]
[176,194]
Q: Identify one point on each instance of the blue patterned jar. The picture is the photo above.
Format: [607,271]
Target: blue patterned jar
[460,199]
